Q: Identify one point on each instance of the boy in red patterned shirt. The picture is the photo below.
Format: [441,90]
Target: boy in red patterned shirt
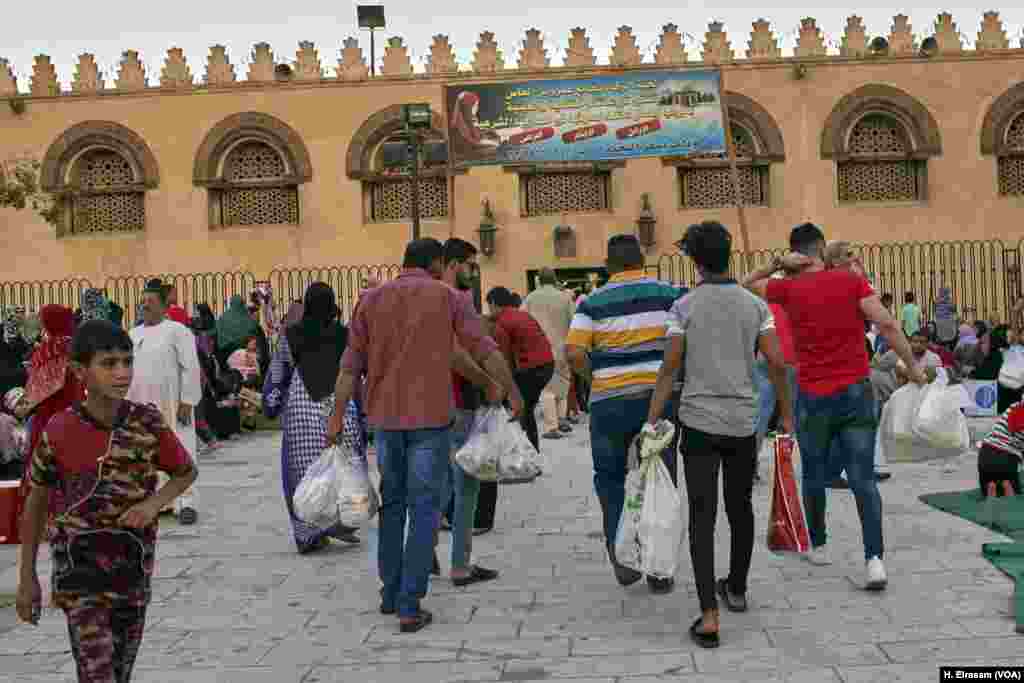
[104,456]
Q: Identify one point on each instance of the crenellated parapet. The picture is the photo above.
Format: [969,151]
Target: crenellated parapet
[854,41]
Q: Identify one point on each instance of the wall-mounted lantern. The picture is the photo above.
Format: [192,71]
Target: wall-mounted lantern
[488,230]
[646,222]
[565,241]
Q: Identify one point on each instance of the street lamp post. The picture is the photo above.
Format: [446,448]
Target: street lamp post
[416,117]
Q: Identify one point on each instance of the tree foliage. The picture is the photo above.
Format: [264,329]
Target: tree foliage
[20,189]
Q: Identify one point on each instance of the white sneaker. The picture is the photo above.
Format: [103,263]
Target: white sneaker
[819,556]
[877,580]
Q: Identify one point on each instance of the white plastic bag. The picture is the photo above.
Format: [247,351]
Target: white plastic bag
[357,498]
[939,420]
[497,448]
[1011,374]
[479,456]
[661,523]
[627,536]
[316,497]
[899,413]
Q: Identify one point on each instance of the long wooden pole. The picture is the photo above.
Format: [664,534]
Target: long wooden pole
[737,189]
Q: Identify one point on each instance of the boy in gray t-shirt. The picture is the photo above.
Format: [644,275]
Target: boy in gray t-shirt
[719,326]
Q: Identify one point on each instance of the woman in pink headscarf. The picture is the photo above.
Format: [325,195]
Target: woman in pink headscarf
[469,141]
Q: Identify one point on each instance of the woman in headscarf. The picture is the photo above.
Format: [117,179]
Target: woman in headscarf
[207,412]
[946,328]
[52,388]
[300,387]
[14,351]
[234,327]
[469,140]
[94,306]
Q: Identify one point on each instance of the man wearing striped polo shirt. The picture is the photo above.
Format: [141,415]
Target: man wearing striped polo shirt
[618,334]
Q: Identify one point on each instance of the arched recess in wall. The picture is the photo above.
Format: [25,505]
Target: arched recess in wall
[379,159]
[880,139]
[1002,136]
[252,164]
[706,183]
[98,173]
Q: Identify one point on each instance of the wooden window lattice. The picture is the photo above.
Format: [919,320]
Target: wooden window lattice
[866,179]
[711,187]
[254,162]
[107,207]
[391,200]
[558,193]
[1011,168]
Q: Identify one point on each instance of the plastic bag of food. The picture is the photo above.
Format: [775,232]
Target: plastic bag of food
[939,420]
[628,551]
[479,456]
[316,497]
[661,522]
[357,498]
[517,459]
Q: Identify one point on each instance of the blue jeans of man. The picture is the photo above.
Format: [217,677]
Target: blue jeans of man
[614,423]
[412,468]
[465,491]
[841,425]
[767,398]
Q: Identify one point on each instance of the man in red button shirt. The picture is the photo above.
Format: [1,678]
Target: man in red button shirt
[521,338]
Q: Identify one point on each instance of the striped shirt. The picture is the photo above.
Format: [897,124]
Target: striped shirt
[1007,435]
[622,328]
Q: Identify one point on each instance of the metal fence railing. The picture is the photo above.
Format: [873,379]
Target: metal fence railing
[34,295]
[214,289]
[289,284]
[983,275]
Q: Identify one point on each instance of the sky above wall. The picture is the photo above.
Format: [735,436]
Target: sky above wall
[106,28]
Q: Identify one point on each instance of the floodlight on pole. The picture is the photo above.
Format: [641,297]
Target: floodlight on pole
[371,18]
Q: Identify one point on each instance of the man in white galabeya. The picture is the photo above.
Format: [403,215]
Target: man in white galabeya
[167,376]
[827,310]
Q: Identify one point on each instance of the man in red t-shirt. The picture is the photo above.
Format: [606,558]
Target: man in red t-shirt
[521,338]
[827,310]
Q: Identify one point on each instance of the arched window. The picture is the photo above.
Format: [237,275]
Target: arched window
[878,168]
[708,186]
[106,199]
[259,190]
[389,190]
[252,164]
[706,182]
[1010,165]
[98,173]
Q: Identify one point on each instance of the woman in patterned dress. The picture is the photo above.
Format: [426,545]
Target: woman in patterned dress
[300,387]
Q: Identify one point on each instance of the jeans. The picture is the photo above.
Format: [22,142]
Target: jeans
[703,454]
[840,426]
[531,383]
[465,490]
[412,470]
[767,398]
[614,423]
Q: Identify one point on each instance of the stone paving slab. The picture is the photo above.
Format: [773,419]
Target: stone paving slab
[233,602]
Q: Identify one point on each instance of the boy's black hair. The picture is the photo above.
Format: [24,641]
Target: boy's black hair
[422,253]
[457,250]
[709,244]
[908,298]
[625,253]
[501,296]
[98,336]
[807,239]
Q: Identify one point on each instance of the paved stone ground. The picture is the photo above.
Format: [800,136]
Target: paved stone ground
[235,604]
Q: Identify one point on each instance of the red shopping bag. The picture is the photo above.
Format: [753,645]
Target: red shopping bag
[787,530]
[12,500]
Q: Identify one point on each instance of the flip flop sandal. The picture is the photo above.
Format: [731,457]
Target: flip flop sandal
[476,575]
[707,641]
[422,620]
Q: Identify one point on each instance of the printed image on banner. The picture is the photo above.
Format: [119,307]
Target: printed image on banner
[640,114]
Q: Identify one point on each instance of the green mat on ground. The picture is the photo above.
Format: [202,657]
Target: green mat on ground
[1002,515]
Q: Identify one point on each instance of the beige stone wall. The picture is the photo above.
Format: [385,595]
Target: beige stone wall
[963,201]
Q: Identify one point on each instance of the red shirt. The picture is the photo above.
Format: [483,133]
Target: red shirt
[827,327]
[519,335]
[403,336]
[178,315]
[784,334]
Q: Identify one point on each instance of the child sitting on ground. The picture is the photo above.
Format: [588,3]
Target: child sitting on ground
[104,455]
[1000,455]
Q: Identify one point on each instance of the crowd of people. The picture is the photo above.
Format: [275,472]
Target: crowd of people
[805,345]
